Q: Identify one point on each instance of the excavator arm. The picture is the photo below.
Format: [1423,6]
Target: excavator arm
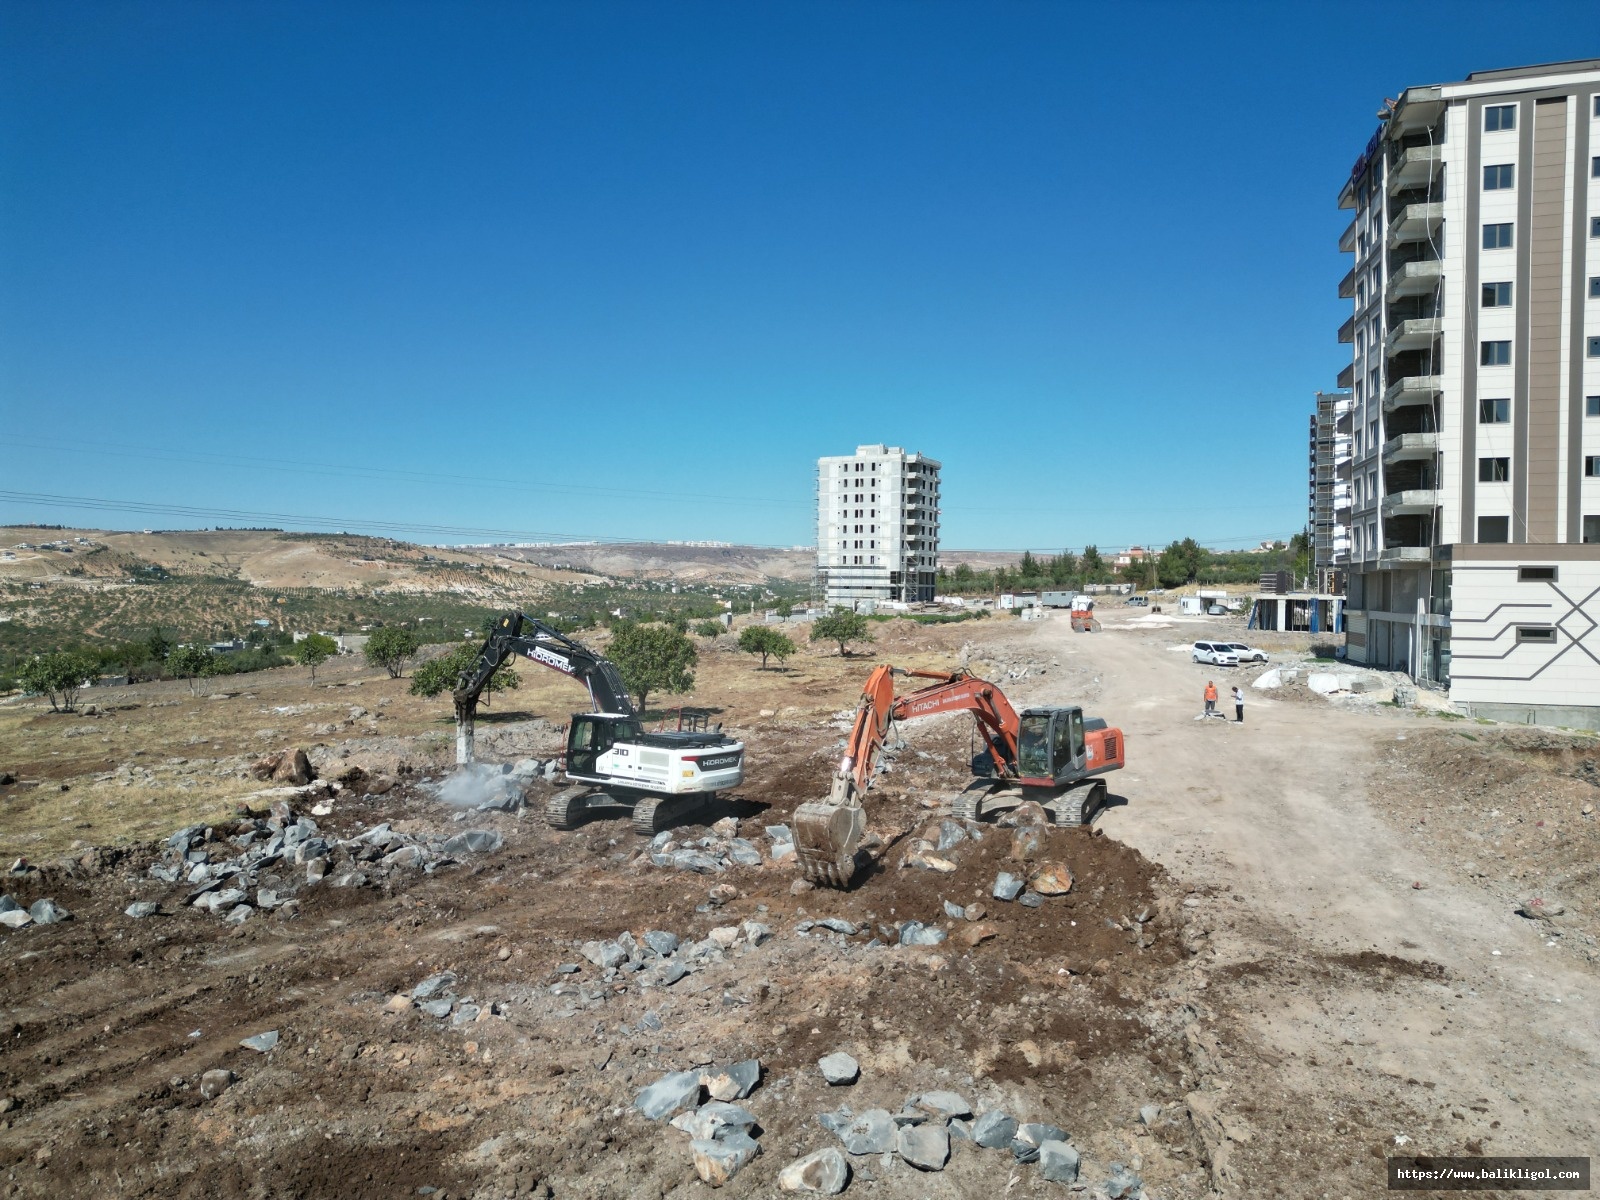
[828,832]
[516,633]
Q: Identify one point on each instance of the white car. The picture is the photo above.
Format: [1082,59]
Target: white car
[1219,654]
[1247,653]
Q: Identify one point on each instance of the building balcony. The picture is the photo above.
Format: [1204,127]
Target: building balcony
[1411,389]
[1347,377]
[1414,502]
[1416,223]
[1405,554]
[1347,239]
[1414,167]
[1416,334]
[1347,331]
[1347,285]
[1410,446]
[1419,110]
[1414,279]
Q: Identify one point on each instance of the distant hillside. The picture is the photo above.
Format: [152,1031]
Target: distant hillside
[658,560]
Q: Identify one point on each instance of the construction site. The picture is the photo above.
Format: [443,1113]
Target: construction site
[279,942]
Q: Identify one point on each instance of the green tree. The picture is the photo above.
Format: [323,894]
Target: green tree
[159,647]
[653,658]
[191,662]
[443,673]
[1028,568]
[784,608]
[709,629]
[313,650]
[392,648]
[963,573]
[1300,555]
[1181,562]
[58,675]
[1092,565]
[765,641]
[842,626]
[1063,568]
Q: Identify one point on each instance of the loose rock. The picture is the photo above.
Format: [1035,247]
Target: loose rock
[839,1068]
[825,1171]
[994,1130]
[142,908]
[670,1095]
[48,912]
[214,1083]
[1025,1145]
[873,1132]
[1006,886]
[718,1161]
[926,1147]
[733,1082]
[1058,1162]
[261,1042]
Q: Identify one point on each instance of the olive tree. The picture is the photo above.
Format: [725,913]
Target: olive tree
[841,626]
[765,641]
[57,675]
[392,648]
[653,658]
[313,650]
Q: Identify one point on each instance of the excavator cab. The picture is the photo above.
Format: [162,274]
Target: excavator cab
[1050,744]
[591,735]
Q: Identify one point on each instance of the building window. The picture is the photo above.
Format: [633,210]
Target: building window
[1499,116]
[1591,406]
[1594,347]
[1594,167]
[1497,237]
[1494,470]
[1536,575]
[1497,295]
[1494,412]
[1544,635]
[1494,529]
[1498,177]
[1594,226]
[1591,529]
[1591,466]
[1496,354]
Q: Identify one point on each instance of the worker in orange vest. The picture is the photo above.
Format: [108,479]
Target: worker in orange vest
[1211,697]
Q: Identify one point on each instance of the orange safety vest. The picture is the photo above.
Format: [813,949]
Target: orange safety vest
[1211,691]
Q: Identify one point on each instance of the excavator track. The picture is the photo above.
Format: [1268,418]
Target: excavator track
[1078,805]
[655,813]
[566,808]
[970,805]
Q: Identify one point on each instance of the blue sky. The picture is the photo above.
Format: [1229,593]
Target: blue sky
[627,270]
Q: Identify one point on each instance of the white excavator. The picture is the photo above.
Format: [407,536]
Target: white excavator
[614,766]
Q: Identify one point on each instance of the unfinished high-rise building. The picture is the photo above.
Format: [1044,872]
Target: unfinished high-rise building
[1329,499]
[1475,381]
[877,526]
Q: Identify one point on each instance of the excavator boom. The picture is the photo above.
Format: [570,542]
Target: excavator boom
[516,633]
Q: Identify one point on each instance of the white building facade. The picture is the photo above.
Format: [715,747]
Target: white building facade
[1475,384]
[877,526]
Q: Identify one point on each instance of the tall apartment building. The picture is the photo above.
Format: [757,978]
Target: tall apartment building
[877,526]
[1475,381]
[1330,472]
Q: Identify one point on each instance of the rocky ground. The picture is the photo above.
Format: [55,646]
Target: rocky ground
[369,985]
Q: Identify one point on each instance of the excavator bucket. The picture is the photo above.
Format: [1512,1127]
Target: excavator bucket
[826,835]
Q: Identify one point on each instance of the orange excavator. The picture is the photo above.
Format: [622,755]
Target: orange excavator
[1053,755]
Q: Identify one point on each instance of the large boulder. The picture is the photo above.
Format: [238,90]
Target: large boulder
[670,1095]
[926,1147]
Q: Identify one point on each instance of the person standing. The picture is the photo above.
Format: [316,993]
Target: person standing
[1238,706]
[1211,697]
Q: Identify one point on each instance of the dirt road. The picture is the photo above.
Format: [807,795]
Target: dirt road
[1337,980]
